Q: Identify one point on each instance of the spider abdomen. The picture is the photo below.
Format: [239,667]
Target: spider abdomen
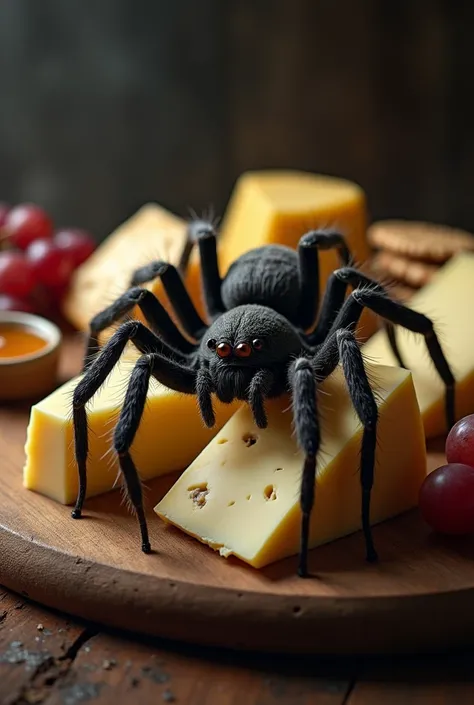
[268,276]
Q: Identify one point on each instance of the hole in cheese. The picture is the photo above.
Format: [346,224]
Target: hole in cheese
[231,503]
[277,469]
[198,493]
[270,492]
[222,440]
[249,439]
[249,496]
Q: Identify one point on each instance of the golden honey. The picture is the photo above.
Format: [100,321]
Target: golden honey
[19,341]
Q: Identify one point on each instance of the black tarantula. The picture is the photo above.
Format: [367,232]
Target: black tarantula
[267,335]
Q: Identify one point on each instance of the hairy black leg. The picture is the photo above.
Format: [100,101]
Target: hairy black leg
[308,249]
[365,405]
[173,375]
[94,377]
[392,339]
[399,314]
[187,249]
[189,318]
[307,428]
[259,390]
[204,234]
[154,313]
[204,389]
[336,289]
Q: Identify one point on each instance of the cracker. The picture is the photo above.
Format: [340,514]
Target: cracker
[418,240]
[411,272]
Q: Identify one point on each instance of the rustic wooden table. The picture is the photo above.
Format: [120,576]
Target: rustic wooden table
[48,658]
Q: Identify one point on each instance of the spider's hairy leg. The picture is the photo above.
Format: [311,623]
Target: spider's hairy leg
[205,235]
[154,313]
[363,399]
[258,391]
[399,314]
[173,375]
[392,340]
[173,285]
[336,290]
[308,254]
[93,379]
[204,389]
[303,384]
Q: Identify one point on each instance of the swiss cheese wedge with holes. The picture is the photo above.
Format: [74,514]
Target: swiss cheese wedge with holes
[170,436]
[241,494]
[152,233]
[447,300]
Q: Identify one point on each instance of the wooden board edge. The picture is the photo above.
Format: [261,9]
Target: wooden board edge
[227,618]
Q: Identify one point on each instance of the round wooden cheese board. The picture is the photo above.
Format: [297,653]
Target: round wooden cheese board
[419,596]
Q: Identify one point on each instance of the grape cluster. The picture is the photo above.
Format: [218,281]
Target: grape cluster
[36,263]
[447,494]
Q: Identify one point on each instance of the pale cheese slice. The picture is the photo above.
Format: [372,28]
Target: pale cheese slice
[170,436]
[242,497]
[152,233]
[447,300]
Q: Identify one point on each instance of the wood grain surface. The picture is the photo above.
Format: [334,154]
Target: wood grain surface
[48,658]
[420,594]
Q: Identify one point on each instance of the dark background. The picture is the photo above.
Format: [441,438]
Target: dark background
[105,104]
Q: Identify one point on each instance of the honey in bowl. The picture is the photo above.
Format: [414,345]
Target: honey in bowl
[19,341]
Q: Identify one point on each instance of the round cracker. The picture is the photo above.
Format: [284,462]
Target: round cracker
[418,240]
[411,272]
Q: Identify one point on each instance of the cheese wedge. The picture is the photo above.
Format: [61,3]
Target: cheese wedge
[278,206]
[241,494]
[152,233]
[159,447]
[448,301]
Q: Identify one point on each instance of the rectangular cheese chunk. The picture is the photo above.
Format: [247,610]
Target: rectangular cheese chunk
[447,300]
[170,436]
[241,494]
[278,207]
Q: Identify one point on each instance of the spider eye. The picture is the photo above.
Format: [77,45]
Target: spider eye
[223,349]
[243,350]
[257,344]
[211,344]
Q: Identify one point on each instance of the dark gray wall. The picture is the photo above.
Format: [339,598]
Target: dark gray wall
[105,104]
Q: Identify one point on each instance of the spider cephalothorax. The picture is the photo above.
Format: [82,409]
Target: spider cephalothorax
[266,334]
[242,348]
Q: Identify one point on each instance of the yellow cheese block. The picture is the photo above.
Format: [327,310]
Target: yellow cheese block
[160,445]
[276,206]
[242,497]
[448,301]
[150,234]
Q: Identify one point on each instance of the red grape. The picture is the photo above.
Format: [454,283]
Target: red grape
[78,243]
[460,442]
[16,276]
[51,266]
[4,211]
[13,303]
[26,223]
[447,499]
